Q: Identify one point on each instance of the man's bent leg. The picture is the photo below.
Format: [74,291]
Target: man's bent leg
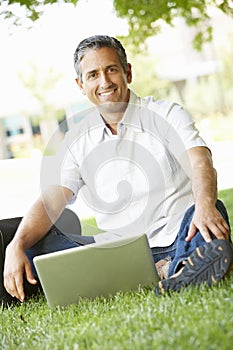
[204,262]
[183,248]
[54,241]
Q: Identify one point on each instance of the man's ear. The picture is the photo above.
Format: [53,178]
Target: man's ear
[129,73]
[80,85]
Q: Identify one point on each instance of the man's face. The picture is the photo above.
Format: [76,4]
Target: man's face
[103,78]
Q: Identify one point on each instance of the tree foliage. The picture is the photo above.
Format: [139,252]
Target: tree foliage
[144,17]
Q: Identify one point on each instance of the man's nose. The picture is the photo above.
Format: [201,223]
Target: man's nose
[105,80]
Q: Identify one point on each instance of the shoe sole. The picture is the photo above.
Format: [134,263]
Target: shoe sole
[207,264]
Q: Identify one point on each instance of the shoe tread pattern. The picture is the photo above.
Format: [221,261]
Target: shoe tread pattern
[207,264]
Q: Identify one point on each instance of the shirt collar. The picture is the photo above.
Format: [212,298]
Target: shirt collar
[131,119]
[132,115]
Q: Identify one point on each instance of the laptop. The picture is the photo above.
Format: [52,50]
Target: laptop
[96,270]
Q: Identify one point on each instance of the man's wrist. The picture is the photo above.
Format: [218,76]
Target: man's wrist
[17,244]
[205,201]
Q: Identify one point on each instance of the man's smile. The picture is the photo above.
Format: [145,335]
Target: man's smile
[107,93]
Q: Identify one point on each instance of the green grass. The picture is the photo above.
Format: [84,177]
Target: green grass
[192,319]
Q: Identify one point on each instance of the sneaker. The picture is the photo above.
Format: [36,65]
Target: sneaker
[207,264]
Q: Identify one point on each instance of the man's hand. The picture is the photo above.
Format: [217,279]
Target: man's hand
[207,219]
[16,267]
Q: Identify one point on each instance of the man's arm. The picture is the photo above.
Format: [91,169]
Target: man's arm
[206,218]
[36,223]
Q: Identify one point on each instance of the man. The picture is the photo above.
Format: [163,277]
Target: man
[141,164]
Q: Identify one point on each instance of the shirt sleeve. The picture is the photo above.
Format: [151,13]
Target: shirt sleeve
[178,128]
[182,128]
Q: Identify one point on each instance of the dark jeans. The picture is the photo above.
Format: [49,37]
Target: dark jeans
[180,249]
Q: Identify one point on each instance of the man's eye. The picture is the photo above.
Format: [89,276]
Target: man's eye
[92,75]
[112,69]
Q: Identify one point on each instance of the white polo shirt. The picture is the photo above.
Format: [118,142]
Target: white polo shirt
[138,180]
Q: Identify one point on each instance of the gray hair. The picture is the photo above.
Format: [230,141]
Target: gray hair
[96,42]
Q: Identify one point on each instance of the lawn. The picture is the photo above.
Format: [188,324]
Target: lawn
[191,319]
